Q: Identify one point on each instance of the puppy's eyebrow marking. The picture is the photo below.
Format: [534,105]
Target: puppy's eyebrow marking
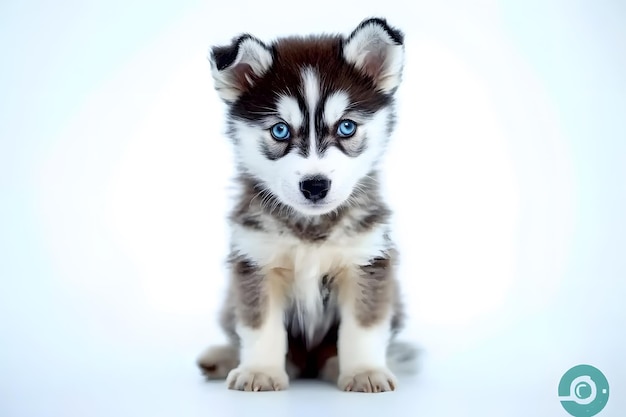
[289,110]
[336,105]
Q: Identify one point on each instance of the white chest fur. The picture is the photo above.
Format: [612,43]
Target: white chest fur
[306,263]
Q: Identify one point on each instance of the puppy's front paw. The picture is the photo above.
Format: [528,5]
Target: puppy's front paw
[262,379]
[373,380]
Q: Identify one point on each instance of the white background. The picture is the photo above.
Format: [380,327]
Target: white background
[507,175]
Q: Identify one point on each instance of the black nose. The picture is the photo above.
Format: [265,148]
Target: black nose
[315,188]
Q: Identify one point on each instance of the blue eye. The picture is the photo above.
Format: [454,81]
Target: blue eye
[280,131]
[346,128]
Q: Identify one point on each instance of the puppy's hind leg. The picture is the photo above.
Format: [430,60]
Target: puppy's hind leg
[217,361]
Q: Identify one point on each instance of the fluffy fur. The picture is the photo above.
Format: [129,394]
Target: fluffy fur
[312,291]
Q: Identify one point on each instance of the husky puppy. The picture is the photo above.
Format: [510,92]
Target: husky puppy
[312,289]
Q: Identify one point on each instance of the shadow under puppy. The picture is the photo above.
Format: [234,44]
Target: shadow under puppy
[312,289]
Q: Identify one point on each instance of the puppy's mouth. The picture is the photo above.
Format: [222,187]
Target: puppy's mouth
[308,207]
[317,208]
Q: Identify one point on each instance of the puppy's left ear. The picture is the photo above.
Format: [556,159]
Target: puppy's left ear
[377,50]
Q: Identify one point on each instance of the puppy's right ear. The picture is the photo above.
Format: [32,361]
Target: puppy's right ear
[236,67]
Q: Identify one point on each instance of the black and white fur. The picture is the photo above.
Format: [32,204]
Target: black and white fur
[312,290]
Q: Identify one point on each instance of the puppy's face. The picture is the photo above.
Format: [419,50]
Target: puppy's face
[310,117]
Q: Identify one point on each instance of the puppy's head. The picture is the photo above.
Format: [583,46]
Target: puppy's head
[310,117]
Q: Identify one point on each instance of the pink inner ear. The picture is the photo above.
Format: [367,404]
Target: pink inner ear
[241,75]
[373,64]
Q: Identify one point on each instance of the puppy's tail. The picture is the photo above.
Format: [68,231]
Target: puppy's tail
[402,357]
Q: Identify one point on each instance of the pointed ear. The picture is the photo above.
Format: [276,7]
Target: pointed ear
[237,66]
[377,50]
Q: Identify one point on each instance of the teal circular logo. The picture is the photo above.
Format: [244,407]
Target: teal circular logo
[583,391]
